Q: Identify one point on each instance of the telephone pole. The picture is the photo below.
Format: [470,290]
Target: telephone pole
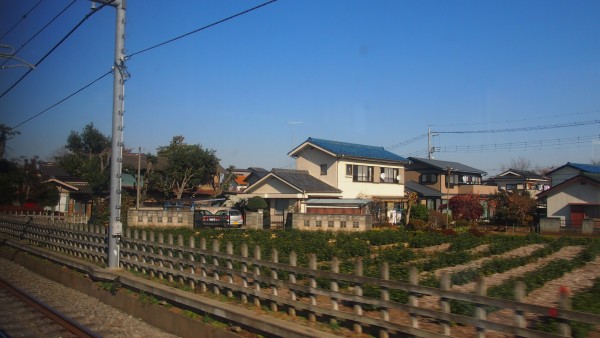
[115,226]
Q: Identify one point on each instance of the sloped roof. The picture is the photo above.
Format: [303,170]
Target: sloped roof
[588,168]
[592,177]
[422,190]
[303,181]
[352,150]
[130,160]
[523,173]
[442,165]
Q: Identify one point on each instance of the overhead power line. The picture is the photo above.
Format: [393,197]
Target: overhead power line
[21,19]
[200,29]
[63,100]
[508,130]
[38,32]
[56,46]
[515,120]
[409,141]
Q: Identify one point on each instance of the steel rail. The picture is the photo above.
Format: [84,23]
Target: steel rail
[66,322]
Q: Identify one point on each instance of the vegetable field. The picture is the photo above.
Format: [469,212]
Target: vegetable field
[546,265]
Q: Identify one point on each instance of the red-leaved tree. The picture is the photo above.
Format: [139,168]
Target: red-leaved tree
[466,207]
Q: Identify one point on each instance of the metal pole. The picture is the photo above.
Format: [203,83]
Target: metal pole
[115,227]
[137,204]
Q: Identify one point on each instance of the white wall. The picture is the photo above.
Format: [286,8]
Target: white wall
[557,204]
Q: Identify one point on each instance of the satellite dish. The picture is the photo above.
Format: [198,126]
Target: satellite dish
[399,177]
[382,176]
[465,178]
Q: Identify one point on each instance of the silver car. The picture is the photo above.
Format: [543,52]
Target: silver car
[235,217]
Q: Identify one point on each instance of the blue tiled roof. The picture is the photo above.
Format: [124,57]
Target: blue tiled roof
[588,168]
[343,149]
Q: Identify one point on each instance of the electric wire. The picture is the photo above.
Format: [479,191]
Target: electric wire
[409,141]
[63,100]
[511,146]
[38,32]
[199,29]
[506,130]
[85,18]
[20,20]
[139,52]
[515,120]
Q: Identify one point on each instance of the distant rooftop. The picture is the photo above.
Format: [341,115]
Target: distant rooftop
[352,150]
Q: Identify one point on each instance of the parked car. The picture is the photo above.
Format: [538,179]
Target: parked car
[235,216]
[206,219]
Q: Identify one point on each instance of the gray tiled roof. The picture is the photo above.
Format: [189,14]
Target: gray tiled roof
[524,174]
[422,190]
[442,165]
[302,180]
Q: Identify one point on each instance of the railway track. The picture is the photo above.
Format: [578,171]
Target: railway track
[23,315]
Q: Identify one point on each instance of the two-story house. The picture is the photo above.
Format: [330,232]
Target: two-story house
[513,180]
[574,194]
[448,178]
[342,176]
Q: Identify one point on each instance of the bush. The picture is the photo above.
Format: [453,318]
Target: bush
[437,220]
[417,224]
[256,203]
[419,211]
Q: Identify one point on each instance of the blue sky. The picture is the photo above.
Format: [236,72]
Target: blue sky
[370,72]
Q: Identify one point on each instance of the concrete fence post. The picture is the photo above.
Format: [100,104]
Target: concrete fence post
[244,251]
[192,245]
[257,256]
[385,296]
[335,268]
[312,282]
[413,299]
[216,277]
[292,278]
[564,302]
[274,276]
[229,250]
[358,291]
[444,303]
[480,313]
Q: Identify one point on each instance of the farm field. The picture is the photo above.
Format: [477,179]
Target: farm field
[546,265]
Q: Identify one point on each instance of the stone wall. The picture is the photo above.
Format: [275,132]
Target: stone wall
[147,217]
[334,222]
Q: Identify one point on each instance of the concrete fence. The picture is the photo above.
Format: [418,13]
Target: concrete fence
[317,292]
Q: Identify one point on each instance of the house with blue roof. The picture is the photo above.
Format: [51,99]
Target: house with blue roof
[357,170]
[333,177]
[574,195]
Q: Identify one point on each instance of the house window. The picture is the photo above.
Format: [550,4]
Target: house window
[342,224]
[362,173]
[451,180]
[330,224]
[348,169]
[323,169]
[355,225]
[306,223]
[511,186]
[428,178]
[319,224]
[150,219]
[389,175]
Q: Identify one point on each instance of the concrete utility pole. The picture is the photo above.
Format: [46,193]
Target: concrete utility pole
[115,227]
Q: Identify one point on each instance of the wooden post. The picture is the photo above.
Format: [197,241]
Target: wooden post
[358,290]
[312,264]
[385,296]
[335,268]
[444,303]
[244,250]
[480,290]
[203,272]
[257,256]
[292,277]
[230,268]
[413,300]
[191,258]
[519,297]
[274,275]
[216,276]
[564,302]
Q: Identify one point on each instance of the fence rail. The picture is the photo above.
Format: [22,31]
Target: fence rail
[308,291]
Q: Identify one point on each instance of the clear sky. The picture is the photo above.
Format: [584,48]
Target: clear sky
[370,72]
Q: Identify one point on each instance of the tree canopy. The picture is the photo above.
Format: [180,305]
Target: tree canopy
[467,207]
[88,157]
[188,166]
[516,208]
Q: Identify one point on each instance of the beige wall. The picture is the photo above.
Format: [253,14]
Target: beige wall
[562,175]
[351,189]
[557,204]
[312,159]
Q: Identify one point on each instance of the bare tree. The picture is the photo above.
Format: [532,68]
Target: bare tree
[520,163]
